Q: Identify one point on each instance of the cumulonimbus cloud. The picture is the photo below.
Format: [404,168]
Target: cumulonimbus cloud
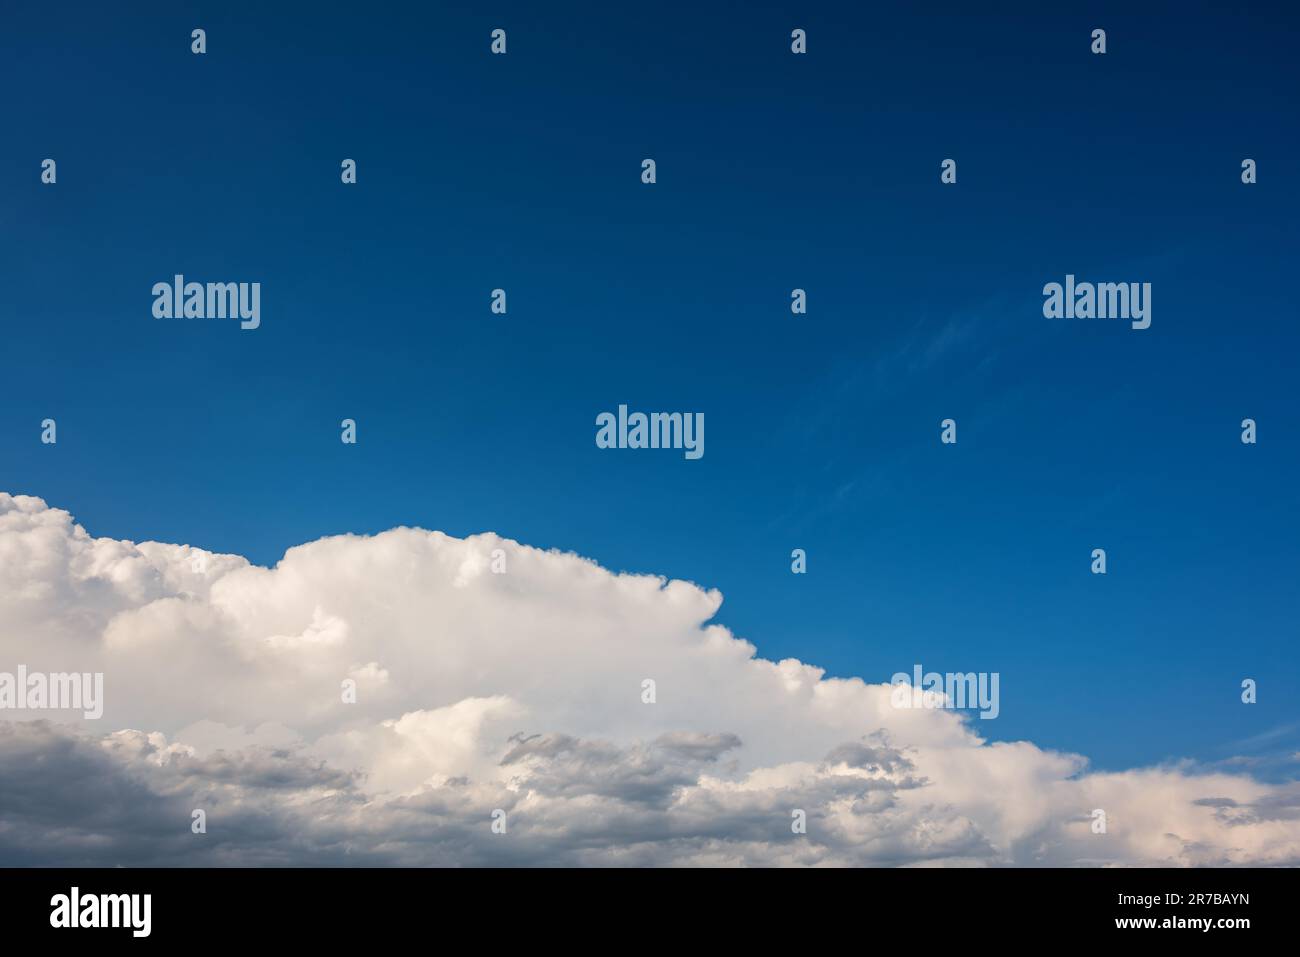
[478,692]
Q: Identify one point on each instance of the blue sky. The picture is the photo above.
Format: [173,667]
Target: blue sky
[774,172]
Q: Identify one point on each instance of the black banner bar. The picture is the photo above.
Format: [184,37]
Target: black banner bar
[329,907]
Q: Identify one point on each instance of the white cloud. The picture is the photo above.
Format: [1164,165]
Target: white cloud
[522,691]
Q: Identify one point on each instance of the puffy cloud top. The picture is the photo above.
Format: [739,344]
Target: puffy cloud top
[523,692]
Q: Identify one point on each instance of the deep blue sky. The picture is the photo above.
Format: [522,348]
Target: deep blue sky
[775,171]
